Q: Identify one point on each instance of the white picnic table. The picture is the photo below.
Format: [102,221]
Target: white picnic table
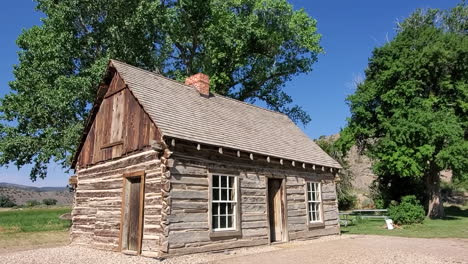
[344,216]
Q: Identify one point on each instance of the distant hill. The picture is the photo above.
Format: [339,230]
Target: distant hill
[22,193]
[32,188]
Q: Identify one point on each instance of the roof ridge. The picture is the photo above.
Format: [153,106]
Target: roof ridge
[183,84]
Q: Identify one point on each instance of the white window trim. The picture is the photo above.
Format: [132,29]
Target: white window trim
[320,206]
[236,229]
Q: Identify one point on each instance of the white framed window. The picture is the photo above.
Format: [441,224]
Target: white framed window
[314,202]
[223,202]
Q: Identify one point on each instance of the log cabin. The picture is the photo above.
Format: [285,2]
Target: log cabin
[166,168]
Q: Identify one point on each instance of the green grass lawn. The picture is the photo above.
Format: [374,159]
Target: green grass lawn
[454,225]
[33,220]
[30,228]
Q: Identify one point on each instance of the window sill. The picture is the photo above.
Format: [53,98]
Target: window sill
[316,225]
[227,233]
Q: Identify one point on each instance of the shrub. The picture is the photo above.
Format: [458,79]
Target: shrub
[409,211]
[379,203]
[32,203]
[346,200]
[49,201]
[5,201]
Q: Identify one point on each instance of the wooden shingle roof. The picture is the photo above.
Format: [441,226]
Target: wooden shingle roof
[181,112]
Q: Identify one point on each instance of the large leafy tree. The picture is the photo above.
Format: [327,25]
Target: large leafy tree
[250,48]
[410,113]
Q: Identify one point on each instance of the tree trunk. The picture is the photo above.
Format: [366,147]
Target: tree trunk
[435,207]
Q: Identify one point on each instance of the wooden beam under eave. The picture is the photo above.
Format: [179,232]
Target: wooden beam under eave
[281,161]
[303,165]
[238,154]
[173,142]
[293,163]
[251,156]
[198,147]
[268,159]
[220,150]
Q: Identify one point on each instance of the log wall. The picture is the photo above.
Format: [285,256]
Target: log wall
[188,222]
[96,214]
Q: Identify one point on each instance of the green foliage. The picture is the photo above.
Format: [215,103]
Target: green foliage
[249,48]
[49,201]
[34,220]
[32,203]
[410,114]
[346,199]
[5,201]
[408,211]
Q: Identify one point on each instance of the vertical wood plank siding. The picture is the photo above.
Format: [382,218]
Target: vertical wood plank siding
[121,126]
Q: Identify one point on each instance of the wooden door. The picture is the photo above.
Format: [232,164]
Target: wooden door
[276,209]
[132,214]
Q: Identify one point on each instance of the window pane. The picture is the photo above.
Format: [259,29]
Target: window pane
[230,221]
[222,223]
[224,181]
[215,194]
[317,211]
[215,181]
[309,196]
[232,195]
[231,182]
[222,207]
[230,208]
[224,194]
[214,220]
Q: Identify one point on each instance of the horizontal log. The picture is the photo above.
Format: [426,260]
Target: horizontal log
[292,213]
[219,246]
[200,226]
[122,162]
[180,168]
[189,194]
[191,217]
[253,199]
[180,204]
[259,208]
[255,232]
[313,233]
[328,188]
[254,217]
[190,180]
[254,192]
[297,219]
[256,224]
[183,237]
[256,184]
[330,215]
[328,196]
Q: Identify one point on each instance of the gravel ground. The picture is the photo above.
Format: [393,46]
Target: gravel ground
[344,249]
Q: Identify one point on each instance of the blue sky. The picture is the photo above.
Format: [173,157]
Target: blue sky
[350,30]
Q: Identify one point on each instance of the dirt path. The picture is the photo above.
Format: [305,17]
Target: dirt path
[365,249]
[32,240]
[344,249]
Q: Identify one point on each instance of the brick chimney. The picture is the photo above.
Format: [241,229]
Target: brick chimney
[201,82]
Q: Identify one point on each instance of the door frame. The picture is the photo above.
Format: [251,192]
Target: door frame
[284,211]
[125,178]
